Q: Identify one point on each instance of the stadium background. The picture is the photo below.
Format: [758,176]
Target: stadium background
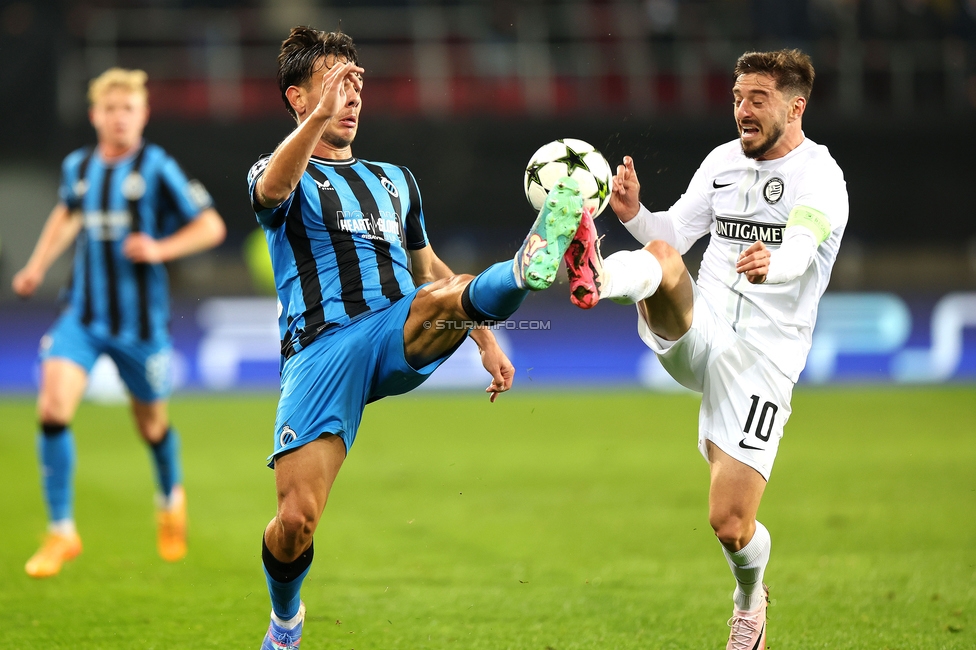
[571,513]
[463,93]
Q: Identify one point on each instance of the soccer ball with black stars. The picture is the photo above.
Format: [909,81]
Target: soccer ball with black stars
[576,159]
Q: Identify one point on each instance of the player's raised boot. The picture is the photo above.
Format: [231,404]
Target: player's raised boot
[171,526]
[56,549]
[749,628]
[538,259]
[282,638]
[584,265]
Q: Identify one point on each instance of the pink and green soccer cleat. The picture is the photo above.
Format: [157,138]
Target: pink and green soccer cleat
[584,265]
[749,628]
[538,259]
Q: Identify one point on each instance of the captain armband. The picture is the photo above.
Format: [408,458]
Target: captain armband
[813,220]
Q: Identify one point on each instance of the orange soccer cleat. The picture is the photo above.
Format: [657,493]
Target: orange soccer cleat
[57,549]
[171,521]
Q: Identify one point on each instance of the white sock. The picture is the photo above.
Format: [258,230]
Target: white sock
[63,527]
[292,622]
[630,276]
[748,566]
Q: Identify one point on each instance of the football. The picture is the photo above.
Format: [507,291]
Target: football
[576,159]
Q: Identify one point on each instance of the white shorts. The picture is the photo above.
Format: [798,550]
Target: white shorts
[745,398]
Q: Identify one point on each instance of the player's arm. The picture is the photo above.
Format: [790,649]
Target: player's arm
[288,162]
[805,230]
[687,221]
[203,232]
[427,267]
[60,230]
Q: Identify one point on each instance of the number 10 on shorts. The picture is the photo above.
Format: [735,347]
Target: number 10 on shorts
[763,429]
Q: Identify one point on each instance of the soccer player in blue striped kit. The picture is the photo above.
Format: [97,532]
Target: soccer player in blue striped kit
[349,251]
[129,208]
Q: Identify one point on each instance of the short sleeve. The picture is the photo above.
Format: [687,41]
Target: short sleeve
[73,187]
[416,230]
[268,217]
[186,197]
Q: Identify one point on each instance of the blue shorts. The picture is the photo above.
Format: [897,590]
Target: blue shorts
[144,366]
[326,386]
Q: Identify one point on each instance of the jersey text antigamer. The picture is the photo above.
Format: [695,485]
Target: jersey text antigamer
[749,231]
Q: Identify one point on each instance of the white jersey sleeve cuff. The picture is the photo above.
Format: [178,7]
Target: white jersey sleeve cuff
[793,257]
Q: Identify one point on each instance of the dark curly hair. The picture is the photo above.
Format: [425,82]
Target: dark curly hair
[302,49]
[792,69]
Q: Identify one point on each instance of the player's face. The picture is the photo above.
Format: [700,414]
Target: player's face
[119,117]
[761,113]
[342,129]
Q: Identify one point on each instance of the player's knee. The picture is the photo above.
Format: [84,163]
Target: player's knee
[51,410]
[443,297]
[298,521]
[730,530]
[152,429]
[672,265]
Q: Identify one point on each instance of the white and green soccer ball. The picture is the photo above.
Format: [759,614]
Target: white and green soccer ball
[576,159]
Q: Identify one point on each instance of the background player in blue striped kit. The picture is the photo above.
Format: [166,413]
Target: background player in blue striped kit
[348,248]
[128,207]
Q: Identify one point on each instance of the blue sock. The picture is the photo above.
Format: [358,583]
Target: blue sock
[493,293]
[166,456]
[56,449]
[285,580]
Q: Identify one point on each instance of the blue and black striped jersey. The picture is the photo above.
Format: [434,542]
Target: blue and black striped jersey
[145,192]
[339,243]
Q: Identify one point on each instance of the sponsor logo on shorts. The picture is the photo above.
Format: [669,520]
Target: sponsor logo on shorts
[749,231]
[287,436]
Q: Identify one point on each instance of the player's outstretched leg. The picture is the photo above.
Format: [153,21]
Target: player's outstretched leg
[538,258]
[56,448]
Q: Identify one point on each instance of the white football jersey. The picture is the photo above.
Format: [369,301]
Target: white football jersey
[739,200]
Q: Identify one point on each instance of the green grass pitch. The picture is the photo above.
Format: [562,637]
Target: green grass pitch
[563,520]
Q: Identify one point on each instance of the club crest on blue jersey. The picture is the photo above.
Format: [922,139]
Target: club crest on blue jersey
[134,186]
[389,187]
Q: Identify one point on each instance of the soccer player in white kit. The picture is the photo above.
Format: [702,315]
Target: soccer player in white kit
[775,204]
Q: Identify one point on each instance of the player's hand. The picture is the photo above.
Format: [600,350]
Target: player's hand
[341,80]
[26,281]
[501,369]
[141,248]
[754,263]
[625,191]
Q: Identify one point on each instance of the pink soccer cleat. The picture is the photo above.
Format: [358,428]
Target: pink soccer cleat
[749,628]
[584,265]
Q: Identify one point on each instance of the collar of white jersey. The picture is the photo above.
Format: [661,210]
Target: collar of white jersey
[334,163]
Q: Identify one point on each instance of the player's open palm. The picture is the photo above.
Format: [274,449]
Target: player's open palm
[625,191]
[337,84]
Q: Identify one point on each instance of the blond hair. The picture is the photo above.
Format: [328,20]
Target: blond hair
[132,80]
